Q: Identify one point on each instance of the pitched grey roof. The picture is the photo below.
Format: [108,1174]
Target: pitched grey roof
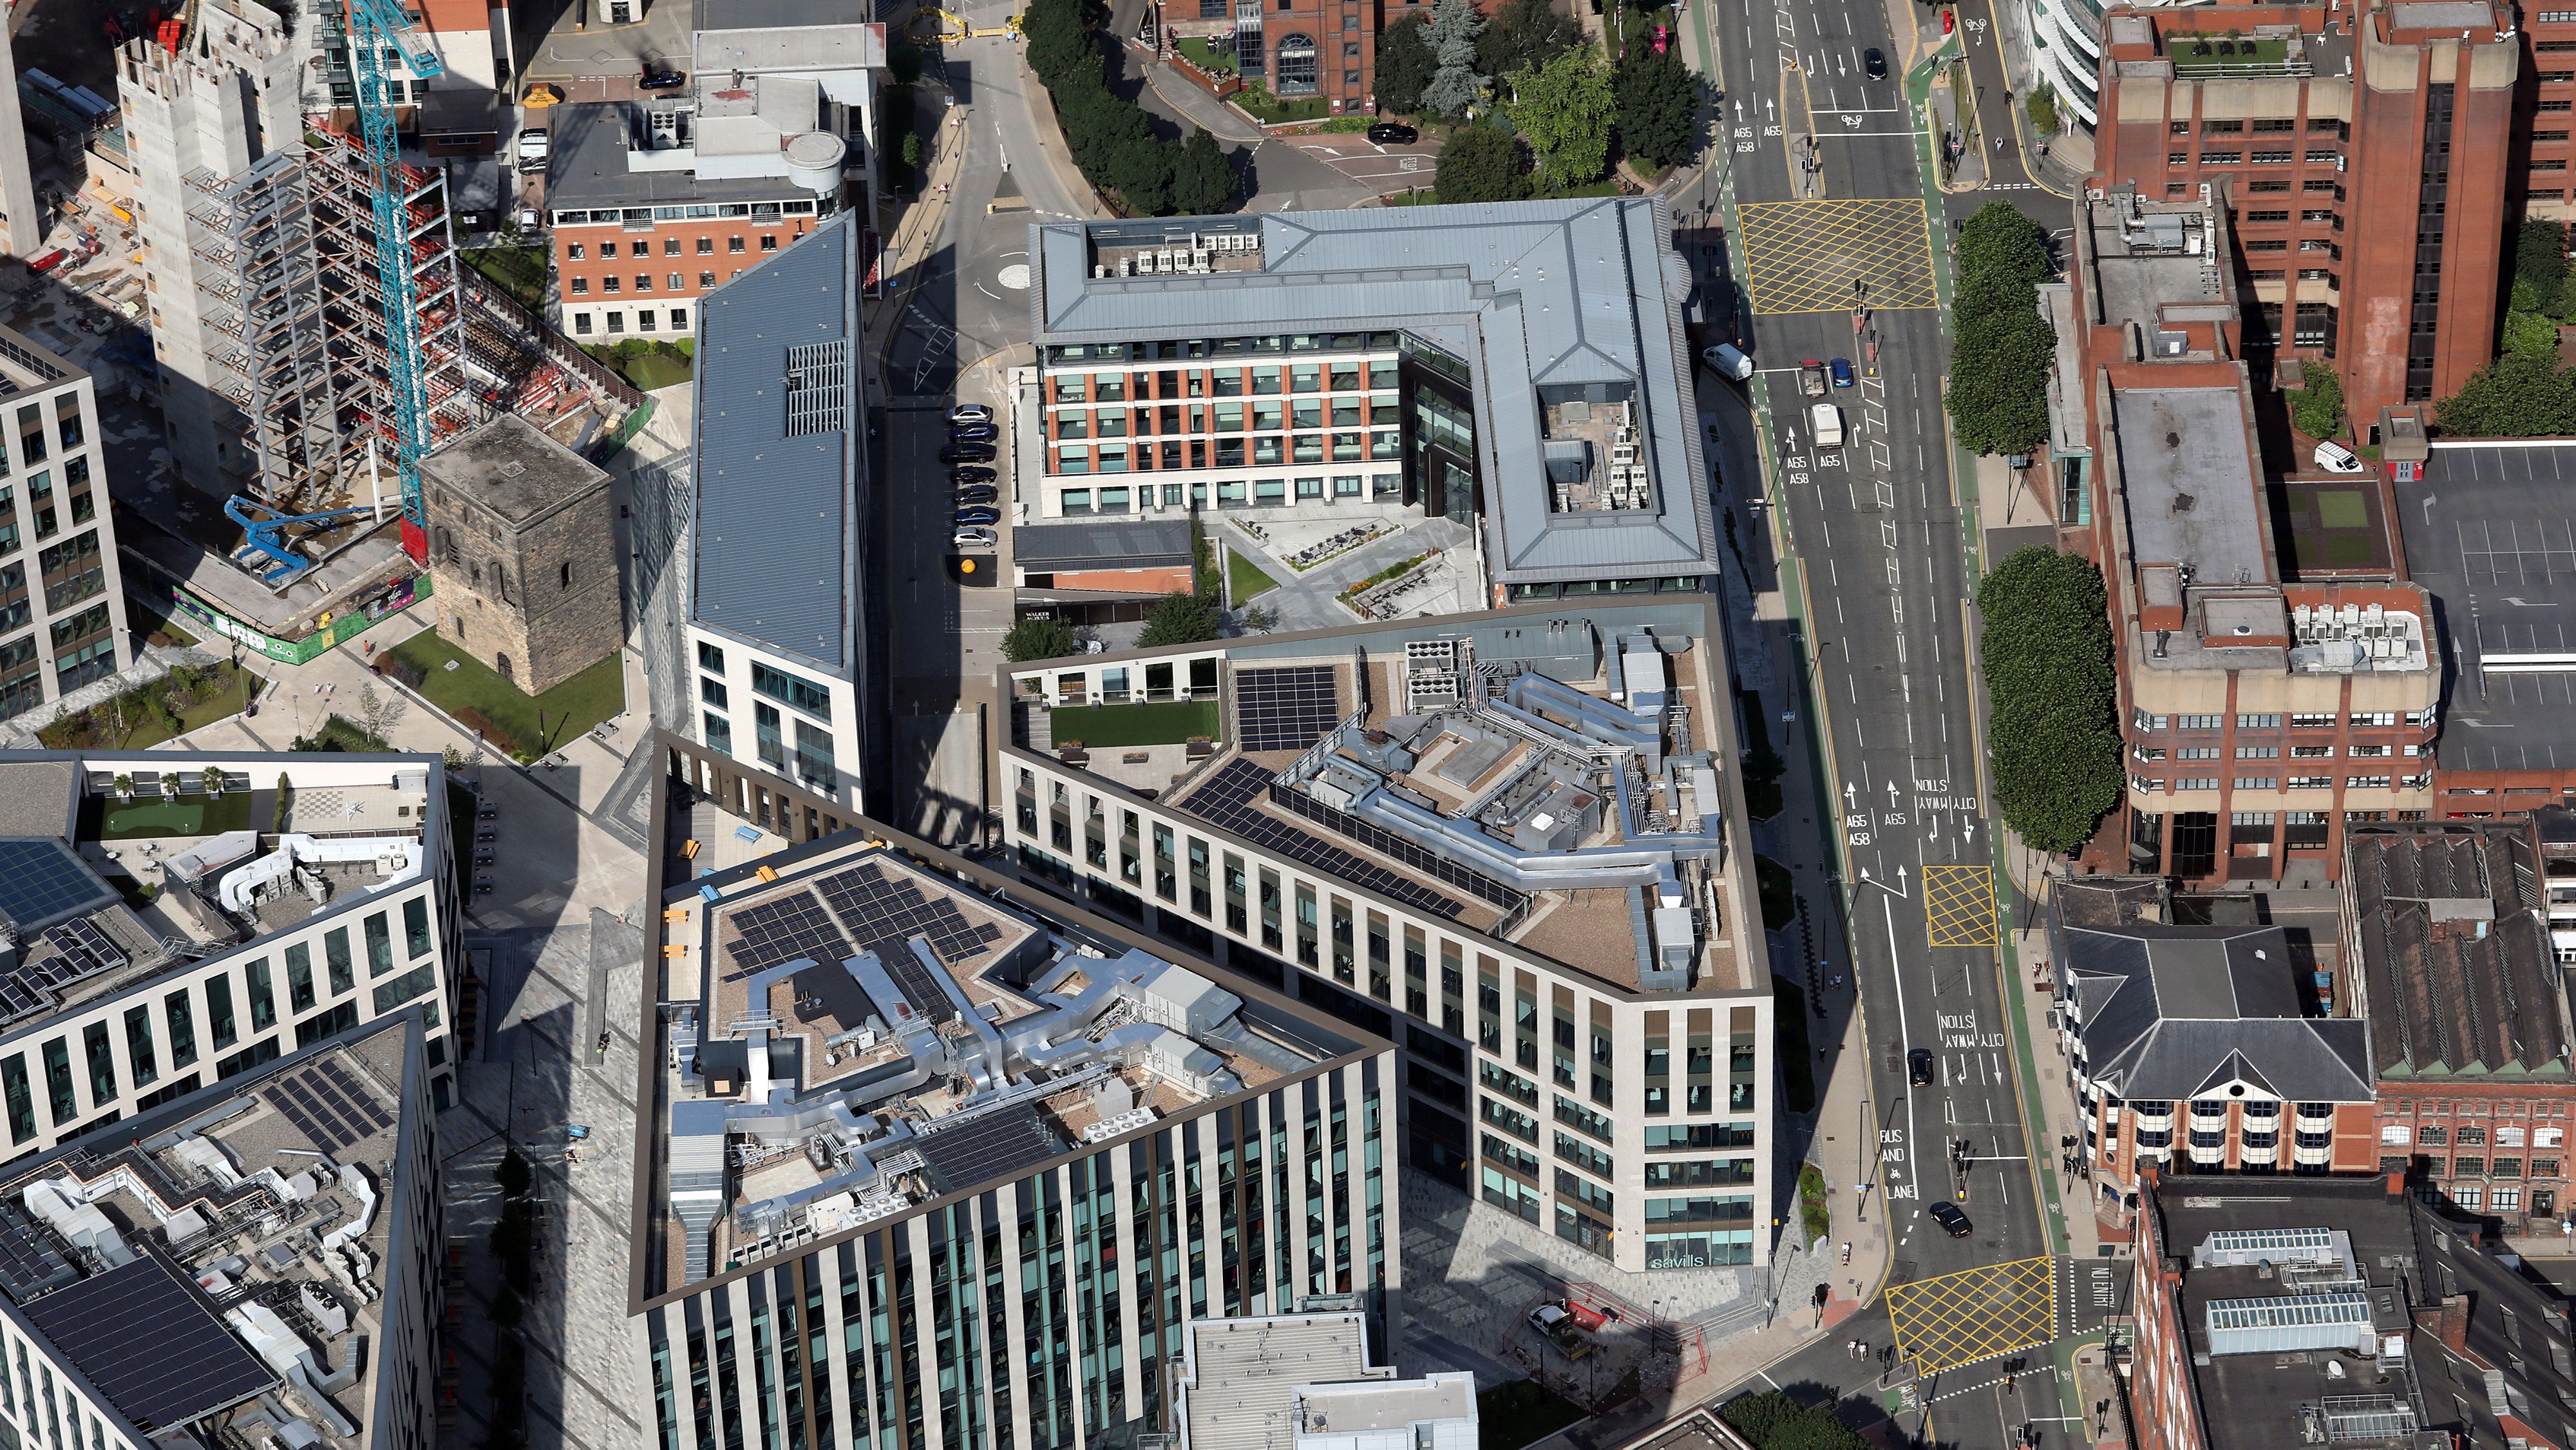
[1553,294]
[2455,966]
[777,530]
[2174,1012]
[1041,548]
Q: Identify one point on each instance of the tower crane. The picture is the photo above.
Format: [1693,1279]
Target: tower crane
[377,27]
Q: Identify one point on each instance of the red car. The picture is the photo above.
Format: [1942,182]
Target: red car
[1663,38]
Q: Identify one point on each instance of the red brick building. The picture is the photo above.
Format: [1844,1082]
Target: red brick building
[2362,146]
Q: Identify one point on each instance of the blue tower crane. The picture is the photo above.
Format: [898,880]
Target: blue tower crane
[376,27]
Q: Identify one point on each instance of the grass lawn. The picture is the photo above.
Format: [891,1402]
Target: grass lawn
[1520,1413]
[499,708]
[1245,577]
[1425,197]
[1112,727]
[654,371]
[1815,1205]
[1270,110]
[108,819]
[521,271]
[1779,893]
[2267,51]
[1196,50]
[1797,1065]
[219,697]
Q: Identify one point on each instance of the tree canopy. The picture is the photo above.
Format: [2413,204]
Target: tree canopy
[1039,639]
[1180,618]
[1565,108]
[2052,731]
[1480,164]
[1525,34]
[1454,85]
[1404,65]
[2538,282]
[2317,409]
[1658,108]
[2000,350]
[1773,1421]
[1203,180]
[2512,397]
[1111,138]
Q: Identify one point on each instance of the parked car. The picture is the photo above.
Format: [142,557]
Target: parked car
[973,433]
[655,78]
[1811,378]
[1873,65]
[978,493]
[1918,1067]
[966,453]
[1841,369]
[1950,1218]
[980,514]
[975,538]
[2335,458]
[533,149]
[971,474]
[970,413]
[1392,133]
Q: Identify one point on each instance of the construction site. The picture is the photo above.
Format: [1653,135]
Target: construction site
[303,362]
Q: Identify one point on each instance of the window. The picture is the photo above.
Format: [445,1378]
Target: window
[617,322]
[58,1081]
[581,321]
[577,252]
[706,279]
[380,952]
[769,242]
[2199,722]
[2267,216]
[733,244]
[643,283]
[792,690]
[219,1012]
[299,977]
[22,1101]
[2312,722]
[609,283]
[263,1002]
[393,992]
[102,1064]
[608,249]
[416,927]
[2258,752]
[2258,722]
[581,286]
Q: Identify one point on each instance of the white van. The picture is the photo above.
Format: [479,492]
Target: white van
[2335,458]
[1724,360]
[1826,422]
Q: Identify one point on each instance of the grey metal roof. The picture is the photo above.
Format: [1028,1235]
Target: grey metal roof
[2175,1012]
[777,530]
[2455,966]
[587,145]
[1531,294]
[1044,547]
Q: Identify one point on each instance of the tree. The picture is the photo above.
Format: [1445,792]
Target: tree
[2511,397]
[1565,109]
[2052,731]
[1658,108]
[2539,276]
[2001,350]
[1525,35]
[1452,37]
[1773,1421]
[1141,170]
[2042,106]
[1203,180]
[1479,164]
[1039,639]
[212,780]
[2317,409]
[1404,65]
[513,1175]
[2003,257]
[1180,618]
[377,711]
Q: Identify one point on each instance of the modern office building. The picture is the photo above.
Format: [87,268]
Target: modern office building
[177,920]
[2333,126]
[929,1158]
[1515,840]
[2333,1311]
[755,628]
[1518,369]
[251,1264]
[2277,678]
[1283,1379]
[2200,1048]
[62,596]
[2447,950]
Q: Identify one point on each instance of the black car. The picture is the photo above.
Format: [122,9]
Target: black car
[978,493]
[657,79]
[980,515]
[1949,1217]
[1392,133]
[973,433]
[1873,65]
[966,453]
[1918,1067]
[970,475]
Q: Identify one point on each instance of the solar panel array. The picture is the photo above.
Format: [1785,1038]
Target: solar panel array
[327,1104]
[882,912]
[145,1338]
[1388,844]
[79,938]
[1226,803]
[42,882]
[80,950]
[1000,1144]
[1285,709]
[784,930]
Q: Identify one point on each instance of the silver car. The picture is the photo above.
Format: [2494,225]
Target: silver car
[975,536]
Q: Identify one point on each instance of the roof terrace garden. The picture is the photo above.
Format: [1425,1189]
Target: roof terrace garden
[2204,56]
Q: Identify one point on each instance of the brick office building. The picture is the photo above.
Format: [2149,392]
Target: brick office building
[2336,125]
[1301,48]
[2274,679]
[523,554]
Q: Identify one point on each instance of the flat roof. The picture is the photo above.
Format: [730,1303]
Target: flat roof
[1541,301]
[586,166]
[2490,533]
[1280,1381]
[2150,254]
[778,465]
[513,470]
[2334,527]
[1040,548]
[2193,490]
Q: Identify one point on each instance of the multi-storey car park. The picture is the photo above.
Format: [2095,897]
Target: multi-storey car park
[1517,369]
[252,1264]
[930,1158]
[1516,840]
[176,920]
